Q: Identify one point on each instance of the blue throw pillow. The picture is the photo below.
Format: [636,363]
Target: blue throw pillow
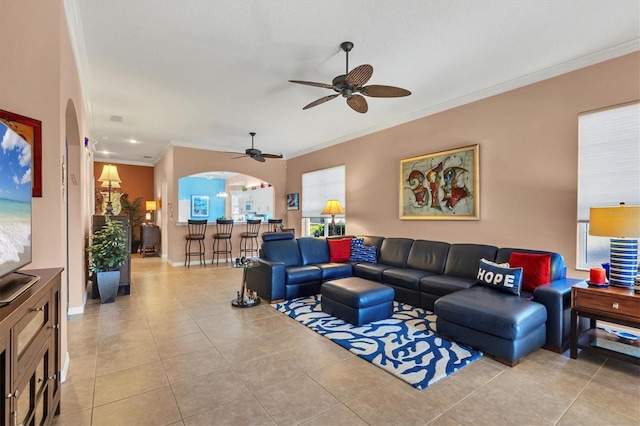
[357,242]
[500,277]
[363,254]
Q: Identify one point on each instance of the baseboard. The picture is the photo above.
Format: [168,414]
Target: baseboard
[65,368]
[76,311]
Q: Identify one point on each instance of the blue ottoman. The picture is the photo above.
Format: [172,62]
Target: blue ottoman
[500,324]
[356,300]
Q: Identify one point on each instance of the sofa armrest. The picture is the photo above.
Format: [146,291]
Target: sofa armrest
[267,279]
[556,297]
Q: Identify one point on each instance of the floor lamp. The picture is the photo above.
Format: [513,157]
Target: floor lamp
[110,178]
[333,208]
[622,224]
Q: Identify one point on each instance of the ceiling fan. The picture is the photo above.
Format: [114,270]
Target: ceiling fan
[256,154]
[352,83]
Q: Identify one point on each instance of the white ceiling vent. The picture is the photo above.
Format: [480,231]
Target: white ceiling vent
[116,118]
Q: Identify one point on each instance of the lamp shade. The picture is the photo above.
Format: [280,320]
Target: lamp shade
[109,173]
[150,205]
[333,207]
[114,184]
[621,222]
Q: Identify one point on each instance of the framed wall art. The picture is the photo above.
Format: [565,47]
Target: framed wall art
[441,186]
[31,131]
[200,206]
[293,201]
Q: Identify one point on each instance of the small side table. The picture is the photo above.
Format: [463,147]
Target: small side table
[612,304]
[241,301]
[149,240]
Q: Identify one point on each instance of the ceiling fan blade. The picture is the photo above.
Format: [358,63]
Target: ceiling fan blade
[272,156]
[360,75]
[378,91]
[320,101]
[358,103]
[311,83]
[259,158]
[242,156]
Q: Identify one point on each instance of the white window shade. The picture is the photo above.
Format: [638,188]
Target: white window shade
[320,186]
[609,159]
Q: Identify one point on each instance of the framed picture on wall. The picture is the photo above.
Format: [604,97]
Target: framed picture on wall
[30,130]
[441,186]
[292,201]
[199,206]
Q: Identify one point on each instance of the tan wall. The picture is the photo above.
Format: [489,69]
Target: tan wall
[38,79]
[179,162]
[528,162]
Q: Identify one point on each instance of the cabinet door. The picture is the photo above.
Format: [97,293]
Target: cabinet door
[5,406]
[54,360]
[32,330]
[31,398]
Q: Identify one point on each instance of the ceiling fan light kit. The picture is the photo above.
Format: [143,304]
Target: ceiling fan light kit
[351,86]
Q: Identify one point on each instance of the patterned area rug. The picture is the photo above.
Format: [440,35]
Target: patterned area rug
[405,345]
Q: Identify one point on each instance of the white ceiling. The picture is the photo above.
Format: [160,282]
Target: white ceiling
[204,74]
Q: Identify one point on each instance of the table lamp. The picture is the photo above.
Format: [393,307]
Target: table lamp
[151,208]
[110,178]
[622,224]
[333,208]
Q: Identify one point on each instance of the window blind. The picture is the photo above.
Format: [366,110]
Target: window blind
[320,186]
[609,158]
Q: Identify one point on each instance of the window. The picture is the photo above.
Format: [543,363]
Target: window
[317,188]
[608,172]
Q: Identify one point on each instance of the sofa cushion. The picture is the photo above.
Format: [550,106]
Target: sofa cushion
[500,277]
[558,270]
[369,271]
[441,285]
[332,271]
[302,274]
[363,254]
[339,250]
[395,251]
[428,256]
[313,250]
[281,247]
[463,260]
[536,268]
[492,312]
[404,277]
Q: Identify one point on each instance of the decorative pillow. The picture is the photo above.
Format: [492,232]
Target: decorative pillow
[500,278]
[339,250]
[536,268]
[355,242]
[363,254]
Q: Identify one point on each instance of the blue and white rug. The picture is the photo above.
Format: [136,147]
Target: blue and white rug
[405,345]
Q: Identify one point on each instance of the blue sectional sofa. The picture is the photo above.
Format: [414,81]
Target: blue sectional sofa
[421,272]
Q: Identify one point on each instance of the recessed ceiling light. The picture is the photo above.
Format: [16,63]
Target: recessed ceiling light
[106,152]
[133,141]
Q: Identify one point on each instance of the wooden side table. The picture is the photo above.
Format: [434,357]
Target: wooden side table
[149,240]
[612,304]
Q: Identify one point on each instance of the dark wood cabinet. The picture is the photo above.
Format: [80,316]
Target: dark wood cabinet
[30,352]
[149,240]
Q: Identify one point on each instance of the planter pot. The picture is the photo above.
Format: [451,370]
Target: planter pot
[108,283]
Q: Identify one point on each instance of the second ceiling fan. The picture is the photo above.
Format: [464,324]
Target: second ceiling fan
[351,84]
[256,154]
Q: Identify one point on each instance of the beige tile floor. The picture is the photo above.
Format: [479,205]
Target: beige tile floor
[174,352]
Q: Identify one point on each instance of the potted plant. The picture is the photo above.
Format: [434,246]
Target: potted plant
[107,252]
[133,209]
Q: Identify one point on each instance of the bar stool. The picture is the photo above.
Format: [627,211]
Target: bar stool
[197,230]
[273,223]
[249,239]
[224,228]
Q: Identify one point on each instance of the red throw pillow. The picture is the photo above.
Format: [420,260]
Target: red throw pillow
[536,268]
[339,250]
